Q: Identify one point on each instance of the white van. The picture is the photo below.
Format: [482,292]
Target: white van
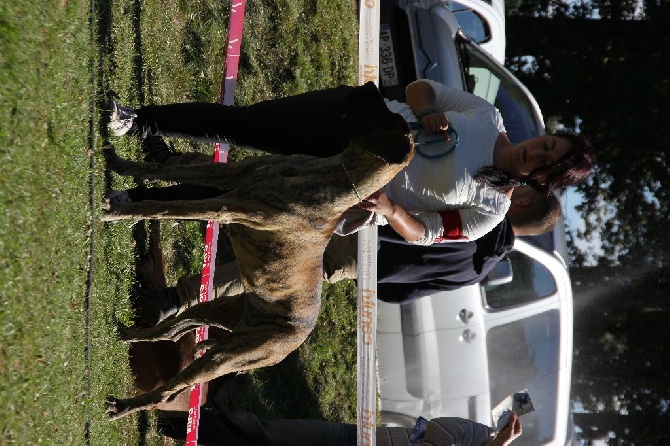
[459,353]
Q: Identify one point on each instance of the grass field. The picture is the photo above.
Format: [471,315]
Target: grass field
[57,77]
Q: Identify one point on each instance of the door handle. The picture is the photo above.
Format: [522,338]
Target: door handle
[465,316]
[467,336]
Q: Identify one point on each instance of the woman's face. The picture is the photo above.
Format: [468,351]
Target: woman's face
[539,152]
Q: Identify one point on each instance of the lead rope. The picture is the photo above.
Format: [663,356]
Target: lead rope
[228,84]
[351,180]
[451,131]
[366,376]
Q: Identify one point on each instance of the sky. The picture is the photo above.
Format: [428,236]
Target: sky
[575,222]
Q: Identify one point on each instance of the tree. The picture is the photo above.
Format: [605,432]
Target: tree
[621,362]
[604,77]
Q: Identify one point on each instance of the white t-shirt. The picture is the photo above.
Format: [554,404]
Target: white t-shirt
[427,186]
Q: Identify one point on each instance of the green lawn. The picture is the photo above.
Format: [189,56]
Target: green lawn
[56,74]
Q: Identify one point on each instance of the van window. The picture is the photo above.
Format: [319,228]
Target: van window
[534,343]
[490,81]
[531,281]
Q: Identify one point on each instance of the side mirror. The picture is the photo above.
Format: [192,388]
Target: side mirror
[500,274]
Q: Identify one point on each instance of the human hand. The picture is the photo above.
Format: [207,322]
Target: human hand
[436,122]
[509,433]
[379,203]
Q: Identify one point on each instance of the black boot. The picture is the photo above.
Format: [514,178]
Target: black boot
[156,149]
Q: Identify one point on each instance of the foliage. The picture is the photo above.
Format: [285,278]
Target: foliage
[595,68]
[621,368]
[593,76]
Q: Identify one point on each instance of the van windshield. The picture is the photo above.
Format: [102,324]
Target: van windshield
[534,343]
[488,80]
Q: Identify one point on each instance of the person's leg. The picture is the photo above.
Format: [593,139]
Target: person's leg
[219,427]
[156,150]
[310,123]
[159,303]
[339,262]
[289,432]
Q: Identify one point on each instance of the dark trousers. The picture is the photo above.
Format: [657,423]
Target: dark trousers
[245,429]
[310,123]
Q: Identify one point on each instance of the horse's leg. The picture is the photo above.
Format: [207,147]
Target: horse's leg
[220,175]
[253,348]
[225,313]
[224,209]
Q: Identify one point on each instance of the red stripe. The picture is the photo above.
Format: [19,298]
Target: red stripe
[211,237]
[452,225]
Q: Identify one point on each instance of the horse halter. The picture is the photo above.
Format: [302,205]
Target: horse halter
[351,180]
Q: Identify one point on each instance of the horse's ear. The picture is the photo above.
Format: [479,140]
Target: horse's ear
[365,109]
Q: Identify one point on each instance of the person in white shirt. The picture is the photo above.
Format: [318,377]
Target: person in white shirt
[458,185]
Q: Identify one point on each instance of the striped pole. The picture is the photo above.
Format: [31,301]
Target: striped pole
[212,234]
[368,70]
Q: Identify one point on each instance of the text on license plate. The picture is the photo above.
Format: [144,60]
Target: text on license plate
[387,66]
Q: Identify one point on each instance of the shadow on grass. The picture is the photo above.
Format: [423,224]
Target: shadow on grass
[271,391]
[138,59]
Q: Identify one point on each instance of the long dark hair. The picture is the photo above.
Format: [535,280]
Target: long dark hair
[572,168]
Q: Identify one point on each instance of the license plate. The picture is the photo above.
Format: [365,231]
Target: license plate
[388,69]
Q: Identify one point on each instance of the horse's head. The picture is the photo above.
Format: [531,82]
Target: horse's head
[381,141]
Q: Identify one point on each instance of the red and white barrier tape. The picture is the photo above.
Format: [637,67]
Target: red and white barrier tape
[212,234]
[368,70]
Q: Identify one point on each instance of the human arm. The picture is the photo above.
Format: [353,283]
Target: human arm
[425,228]
[425,95]
[420,96]
[509,433]
[407,226]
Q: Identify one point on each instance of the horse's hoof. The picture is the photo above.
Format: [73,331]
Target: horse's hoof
[122,332]
[112,408]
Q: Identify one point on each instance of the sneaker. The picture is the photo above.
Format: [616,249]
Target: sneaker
[122,121]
